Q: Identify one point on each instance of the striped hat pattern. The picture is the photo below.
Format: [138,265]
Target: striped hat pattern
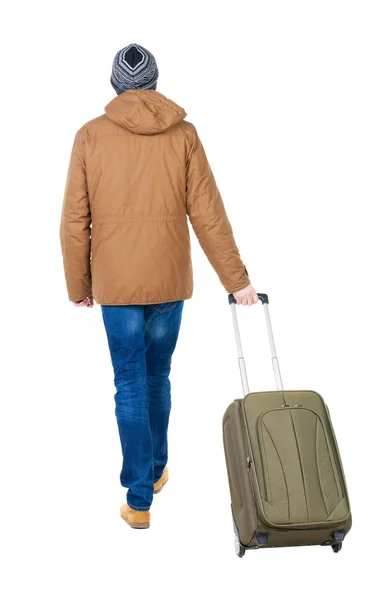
[134,68]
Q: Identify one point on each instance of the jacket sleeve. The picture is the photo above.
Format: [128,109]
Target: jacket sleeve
[75,226]
[209,220]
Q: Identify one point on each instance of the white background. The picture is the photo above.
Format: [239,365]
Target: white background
[284,97]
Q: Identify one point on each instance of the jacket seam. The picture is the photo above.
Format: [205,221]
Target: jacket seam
[128,132]
[138,219]
[192,147]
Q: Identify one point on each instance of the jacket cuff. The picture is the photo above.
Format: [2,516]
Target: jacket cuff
[81,295]
[245,281]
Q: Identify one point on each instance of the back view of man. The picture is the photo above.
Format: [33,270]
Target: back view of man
[135,174]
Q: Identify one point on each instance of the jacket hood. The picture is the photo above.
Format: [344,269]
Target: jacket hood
[144,111]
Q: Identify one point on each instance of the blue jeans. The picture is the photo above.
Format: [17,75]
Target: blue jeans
[142,339]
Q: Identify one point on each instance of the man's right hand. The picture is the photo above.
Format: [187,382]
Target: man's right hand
[247,296]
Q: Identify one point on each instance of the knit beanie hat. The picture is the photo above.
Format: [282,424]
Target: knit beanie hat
[134,68]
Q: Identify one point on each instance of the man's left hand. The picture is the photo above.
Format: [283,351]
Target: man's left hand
[88,302]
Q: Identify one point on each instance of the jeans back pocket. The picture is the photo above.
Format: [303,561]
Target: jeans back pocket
[164,306]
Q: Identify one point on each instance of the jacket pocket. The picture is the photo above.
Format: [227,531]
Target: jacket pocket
[164,306]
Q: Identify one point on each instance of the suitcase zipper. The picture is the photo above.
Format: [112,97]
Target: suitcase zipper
[249,460]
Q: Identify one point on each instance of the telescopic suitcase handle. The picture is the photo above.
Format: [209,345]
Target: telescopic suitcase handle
[275,363]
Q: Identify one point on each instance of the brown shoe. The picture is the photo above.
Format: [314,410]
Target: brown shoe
[137,519]
[157,487]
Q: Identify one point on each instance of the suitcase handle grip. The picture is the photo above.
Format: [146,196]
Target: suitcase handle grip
[262,297]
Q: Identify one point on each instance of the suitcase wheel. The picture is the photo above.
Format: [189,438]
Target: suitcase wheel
[337,547]
[240,550]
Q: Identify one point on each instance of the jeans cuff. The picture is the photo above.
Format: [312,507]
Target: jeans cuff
[138,508]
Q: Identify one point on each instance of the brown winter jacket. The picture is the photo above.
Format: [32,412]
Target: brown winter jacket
[135,174]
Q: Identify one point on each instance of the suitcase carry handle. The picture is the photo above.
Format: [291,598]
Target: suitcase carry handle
[262,297]
[275,363]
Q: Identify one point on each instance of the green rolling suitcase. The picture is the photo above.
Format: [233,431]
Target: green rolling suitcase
[285,474]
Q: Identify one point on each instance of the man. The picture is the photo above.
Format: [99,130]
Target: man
[135,174]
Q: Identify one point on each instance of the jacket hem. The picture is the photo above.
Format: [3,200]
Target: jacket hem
[159,301]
